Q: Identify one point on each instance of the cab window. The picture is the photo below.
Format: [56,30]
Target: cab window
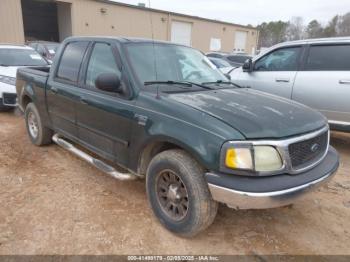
[71,60]
[326,58]
[102,60]
[285,59]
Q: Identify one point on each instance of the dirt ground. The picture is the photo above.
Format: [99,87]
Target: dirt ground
[54,203]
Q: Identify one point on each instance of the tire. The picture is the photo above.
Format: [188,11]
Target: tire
[38,133]
[188,181]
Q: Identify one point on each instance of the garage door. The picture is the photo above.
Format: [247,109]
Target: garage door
[240,41]
[181,33]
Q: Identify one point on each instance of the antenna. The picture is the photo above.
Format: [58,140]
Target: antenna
[154,49]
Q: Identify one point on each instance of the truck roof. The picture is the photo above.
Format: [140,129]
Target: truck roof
[119,39]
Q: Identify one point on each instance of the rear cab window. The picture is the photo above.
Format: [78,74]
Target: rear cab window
[328,58]
[71,60]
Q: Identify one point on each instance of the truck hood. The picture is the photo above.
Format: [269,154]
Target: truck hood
[10,71]
[253,113]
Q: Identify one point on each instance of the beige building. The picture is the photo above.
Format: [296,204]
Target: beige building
[54,20]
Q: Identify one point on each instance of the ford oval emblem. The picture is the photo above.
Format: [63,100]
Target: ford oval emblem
[315,147]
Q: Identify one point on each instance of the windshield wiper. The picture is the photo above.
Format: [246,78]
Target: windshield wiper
[200,85]
[222,82]
[171,82]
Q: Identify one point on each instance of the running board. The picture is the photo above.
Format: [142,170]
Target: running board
[95,162]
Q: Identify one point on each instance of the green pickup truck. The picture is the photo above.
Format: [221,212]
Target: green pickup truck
[163,112]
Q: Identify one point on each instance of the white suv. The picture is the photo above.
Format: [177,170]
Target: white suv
[11,58]
[314,72]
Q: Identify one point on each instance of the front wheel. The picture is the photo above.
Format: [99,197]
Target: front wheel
[38,133]
[178,193]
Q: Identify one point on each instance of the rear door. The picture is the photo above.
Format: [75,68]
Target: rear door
[275,72]
[324,81]
[104,118]
[62,87]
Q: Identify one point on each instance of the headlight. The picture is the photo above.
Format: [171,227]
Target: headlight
[248,157]
[266,159]
[8,80]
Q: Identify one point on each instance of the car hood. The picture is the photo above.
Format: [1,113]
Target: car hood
[253,113]
[10,71]
[225,70]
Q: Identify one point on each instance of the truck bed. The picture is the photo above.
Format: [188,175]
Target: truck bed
[34,78]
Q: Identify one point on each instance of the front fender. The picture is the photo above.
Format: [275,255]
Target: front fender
[201,144]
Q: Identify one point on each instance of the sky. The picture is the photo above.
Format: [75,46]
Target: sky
[253,12]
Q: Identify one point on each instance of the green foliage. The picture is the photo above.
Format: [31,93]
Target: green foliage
[272,33]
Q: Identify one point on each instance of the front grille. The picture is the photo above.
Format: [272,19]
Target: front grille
[9,99]
[307,152]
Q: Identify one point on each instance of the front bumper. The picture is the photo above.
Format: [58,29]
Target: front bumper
[9,99]
[243,192]
[8,96]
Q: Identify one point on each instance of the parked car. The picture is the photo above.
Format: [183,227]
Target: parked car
[235,60]
[45,49]
[11,58]
[161,111]
[313,72]
[221,64]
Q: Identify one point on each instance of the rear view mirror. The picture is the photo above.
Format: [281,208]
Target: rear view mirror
[108,82]
[248,65]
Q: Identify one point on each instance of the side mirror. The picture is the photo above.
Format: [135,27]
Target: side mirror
[108,82]
[248,65]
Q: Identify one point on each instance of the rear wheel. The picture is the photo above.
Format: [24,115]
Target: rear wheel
[179,194]
[38,133]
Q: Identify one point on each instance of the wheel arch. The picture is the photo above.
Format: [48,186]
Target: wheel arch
[157,145]
[25,100]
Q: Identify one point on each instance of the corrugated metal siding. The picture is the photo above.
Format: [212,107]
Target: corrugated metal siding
[121,20]
[11,23]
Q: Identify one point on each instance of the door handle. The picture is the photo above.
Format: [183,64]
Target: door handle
[344,82]
[54,90]
[282,80]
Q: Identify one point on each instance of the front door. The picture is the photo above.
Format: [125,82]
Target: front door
[273,73]
[104,118]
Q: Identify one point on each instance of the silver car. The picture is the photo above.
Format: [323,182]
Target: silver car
[313,72]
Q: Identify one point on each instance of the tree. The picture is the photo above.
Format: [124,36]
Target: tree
[271,33]
[331,29]
[344,25]
[295,29]
[314,30]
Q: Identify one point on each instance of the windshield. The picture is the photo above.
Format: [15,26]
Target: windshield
[165,62]
[20,57]
[52,48]
[239,58]
[219,62]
